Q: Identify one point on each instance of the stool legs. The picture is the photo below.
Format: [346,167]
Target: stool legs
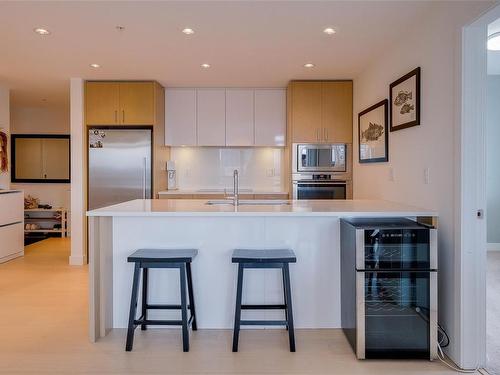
[284,297]
[144,297]
[133,308]
[237,314]
[191,296]
[288,293]
[185,333]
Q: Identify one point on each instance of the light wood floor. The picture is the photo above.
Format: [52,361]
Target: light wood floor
[43,325]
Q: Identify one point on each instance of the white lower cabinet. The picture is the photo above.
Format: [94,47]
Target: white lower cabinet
[11,225]
[12,240]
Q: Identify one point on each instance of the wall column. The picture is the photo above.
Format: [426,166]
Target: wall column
[78,176]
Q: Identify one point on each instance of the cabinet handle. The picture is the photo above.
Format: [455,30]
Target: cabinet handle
[123,116]
[116,116]
[317,134]
[326,134]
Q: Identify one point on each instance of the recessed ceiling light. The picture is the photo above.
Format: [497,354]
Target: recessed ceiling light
[329,31]
[41,31]
[309,65]
[95,66]
[494,42]
[205,66]
[188,31]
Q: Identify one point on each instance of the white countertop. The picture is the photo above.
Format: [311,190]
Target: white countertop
[8,191]
[194,207]
[219,191]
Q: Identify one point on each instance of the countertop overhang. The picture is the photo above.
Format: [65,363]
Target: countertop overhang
[296,208]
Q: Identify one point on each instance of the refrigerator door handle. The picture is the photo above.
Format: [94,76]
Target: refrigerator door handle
[144,171]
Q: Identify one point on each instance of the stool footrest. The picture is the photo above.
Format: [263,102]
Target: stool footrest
[158,322]
[263,307]
[165,307]
[263,323]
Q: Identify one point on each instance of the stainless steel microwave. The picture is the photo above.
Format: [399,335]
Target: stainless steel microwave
[319,157]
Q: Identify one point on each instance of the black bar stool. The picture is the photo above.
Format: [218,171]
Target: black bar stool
[278,258]
[161,258]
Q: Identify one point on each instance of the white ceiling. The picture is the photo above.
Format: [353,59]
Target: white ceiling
[494,56]
[248,43]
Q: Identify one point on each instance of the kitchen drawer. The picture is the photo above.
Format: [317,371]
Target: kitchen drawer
[209,196]
[175,196]
[12,240]
[272,196]
[12,208]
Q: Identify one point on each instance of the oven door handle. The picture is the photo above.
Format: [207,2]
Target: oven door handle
[319,182]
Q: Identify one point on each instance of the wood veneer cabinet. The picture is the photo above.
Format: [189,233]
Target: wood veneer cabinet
[120,103]
[131,103]
[320,111]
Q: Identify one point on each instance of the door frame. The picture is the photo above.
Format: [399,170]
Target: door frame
[471,197]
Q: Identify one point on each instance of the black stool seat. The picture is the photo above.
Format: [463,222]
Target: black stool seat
[264,256]
[275,258]
[162,258]
[163,255]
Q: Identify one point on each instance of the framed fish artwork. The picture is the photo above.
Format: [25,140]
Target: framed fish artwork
[404,95]
[373,133]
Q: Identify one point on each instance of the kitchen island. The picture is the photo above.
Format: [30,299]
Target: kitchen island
[309,228]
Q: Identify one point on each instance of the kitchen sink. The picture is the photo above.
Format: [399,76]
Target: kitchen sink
[249,202]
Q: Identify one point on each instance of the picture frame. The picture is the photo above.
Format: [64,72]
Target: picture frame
[373,133]
[404,96]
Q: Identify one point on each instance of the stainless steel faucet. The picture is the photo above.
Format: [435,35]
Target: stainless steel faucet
[236,187]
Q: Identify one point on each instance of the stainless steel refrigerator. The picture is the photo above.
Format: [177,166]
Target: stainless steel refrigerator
[119,166]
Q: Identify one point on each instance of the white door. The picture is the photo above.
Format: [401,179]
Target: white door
[211,117]
[180,117]
[270,117]
[240,117]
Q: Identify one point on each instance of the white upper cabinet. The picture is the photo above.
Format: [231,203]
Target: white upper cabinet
[211,117]
[225,117]
[180,117]
[239,117]
[270,117]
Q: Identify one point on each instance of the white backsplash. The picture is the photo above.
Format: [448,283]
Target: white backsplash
[212,167]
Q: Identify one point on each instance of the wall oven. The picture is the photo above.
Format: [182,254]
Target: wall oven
[321,171]
[389,288]
[320,187]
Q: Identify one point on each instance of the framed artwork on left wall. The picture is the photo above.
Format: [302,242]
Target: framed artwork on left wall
[372,133]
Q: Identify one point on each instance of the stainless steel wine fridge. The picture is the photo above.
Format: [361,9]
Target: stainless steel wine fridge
[389,288]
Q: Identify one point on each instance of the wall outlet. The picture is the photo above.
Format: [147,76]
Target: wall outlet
[391,174]
[270,172]
[187,172]
[427,176]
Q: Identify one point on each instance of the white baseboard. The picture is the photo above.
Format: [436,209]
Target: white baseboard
[12,256]
[76,260]
[493,247]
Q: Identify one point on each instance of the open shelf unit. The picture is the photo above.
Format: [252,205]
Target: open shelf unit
[47,219]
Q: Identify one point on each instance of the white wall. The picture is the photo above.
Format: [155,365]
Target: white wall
[493,160]
[45,119]
[5,126]
[435,46]
[212,167]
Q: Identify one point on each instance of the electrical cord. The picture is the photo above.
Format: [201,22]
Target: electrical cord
[440,345]
[443,359]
